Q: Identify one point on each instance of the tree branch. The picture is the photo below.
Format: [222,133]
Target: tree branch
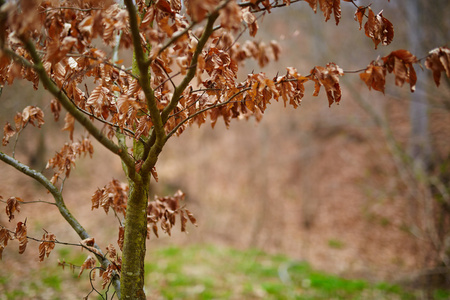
[59,202]
[193,65]
[78,115]
[144,78]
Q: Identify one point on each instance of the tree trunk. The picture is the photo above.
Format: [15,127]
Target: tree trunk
[133,255]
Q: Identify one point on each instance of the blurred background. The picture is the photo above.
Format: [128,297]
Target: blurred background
[359,189]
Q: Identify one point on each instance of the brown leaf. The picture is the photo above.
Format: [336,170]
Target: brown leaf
[5,236]
[191,217]
[438,61]
[12,205]
[400,62]
[8,132]
[328,78]
[47,245]
[359,15]
[55,107]
[121,237]
[33,114]
[88,242]
[21,235]
[69,125]
[89,263]
[379,29]
[374,77]
[154,173]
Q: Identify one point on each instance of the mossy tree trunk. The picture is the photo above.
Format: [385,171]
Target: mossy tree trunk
[132,278]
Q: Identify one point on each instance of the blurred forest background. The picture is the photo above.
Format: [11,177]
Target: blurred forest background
[359,189]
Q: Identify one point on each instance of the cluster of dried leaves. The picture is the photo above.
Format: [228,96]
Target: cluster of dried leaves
[165,210]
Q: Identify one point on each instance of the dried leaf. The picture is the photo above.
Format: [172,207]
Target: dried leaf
[47,245]
[379,29]
[88,242]
[8,132]
[69,125]
[438,60]
[191,217]
[328,78]
[121,237]
[374,77]
[21,236]
[400,62]
[89,263]
[12,205]
[5,236]
[359,15]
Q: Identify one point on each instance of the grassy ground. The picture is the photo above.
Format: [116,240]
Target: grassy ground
[210,272]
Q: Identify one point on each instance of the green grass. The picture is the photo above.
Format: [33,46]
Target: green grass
[206,272]
[210,272]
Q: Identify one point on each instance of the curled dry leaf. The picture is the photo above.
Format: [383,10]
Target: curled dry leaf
[328,78]
[8,132]
[438,61]
[400,62]
[120,239]
[359,15]
[328,7]
[69,124]
[5,236]
[47,245]
[379,29]
[89,263]
[375,77]
[21,236]
[250,20]
[88,242]
[31,114]
[12,205]
[55,107]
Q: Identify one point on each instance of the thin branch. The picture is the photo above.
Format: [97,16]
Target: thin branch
[205,109]
[167,74]
[31,202]
[175,37]
[192,70]
[59,202]
[73,8]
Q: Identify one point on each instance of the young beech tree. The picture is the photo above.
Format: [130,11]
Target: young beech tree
[186,58]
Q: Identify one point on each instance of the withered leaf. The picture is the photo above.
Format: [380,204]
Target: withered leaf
[359,15]
[438,60]
[191,217]
[400,62]
[5,236]
[21,236]
[379,29]
[120,239]
[69,125]
[89,263]
[47,245]
[8,132]
[374,77]
[12,205]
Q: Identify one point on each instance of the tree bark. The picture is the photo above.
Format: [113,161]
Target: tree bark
[133,255]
